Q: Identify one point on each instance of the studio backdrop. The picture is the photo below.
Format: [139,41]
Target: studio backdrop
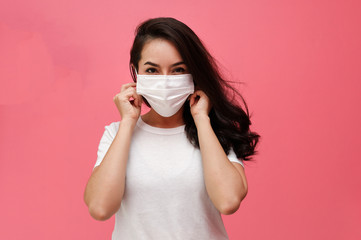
[296,63]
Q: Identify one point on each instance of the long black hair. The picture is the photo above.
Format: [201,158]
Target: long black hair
[229,120]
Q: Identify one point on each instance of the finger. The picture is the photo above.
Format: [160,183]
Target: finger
[136,100]
[199,93]
[139,99]
[192,99]
[130,91]
[126,94]
[127,85]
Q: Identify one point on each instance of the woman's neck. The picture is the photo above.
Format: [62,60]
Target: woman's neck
[152,118]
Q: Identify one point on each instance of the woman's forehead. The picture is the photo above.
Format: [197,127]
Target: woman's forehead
[161,52]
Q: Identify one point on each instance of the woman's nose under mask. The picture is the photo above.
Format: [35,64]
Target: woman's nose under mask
[166,94]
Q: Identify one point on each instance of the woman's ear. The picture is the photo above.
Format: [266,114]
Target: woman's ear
[133,68]
[132,65]
[134,72]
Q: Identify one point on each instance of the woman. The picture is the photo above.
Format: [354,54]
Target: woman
[169,173]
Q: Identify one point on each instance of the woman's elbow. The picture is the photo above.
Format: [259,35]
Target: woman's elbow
[231,208]
[99,213]
[234,206]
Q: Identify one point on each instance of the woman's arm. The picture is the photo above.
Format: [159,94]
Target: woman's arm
[105,188]
[225,181]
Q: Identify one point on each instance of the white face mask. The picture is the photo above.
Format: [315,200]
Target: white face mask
[166,94]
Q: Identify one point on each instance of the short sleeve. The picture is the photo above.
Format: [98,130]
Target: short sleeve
[233,157]
[105,142]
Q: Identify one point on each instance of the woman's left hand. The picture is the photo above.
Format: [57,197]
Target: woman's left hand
[200,104]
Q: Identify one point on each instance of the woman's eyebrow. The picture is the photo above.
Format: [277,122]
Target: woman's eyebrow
[156,65]
[178,63]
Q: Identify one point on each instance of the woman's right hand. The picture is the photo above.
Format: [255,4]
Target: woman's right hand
[128,102]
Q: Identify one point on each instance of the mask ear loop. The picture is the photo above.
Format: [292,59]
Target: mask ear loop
[135,74]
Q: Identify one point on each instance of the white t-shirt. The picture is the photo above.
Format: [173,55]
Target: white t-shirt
[165,195]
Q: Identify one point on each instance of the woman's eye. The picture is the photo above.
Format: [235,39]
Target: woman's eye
[150,70]
[179,70]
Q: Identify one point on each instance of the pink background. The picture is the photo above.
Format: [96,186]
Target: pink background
[61,63]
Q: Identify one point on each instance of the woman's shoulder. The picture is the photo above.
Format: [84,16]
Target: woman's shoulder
[112,127]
